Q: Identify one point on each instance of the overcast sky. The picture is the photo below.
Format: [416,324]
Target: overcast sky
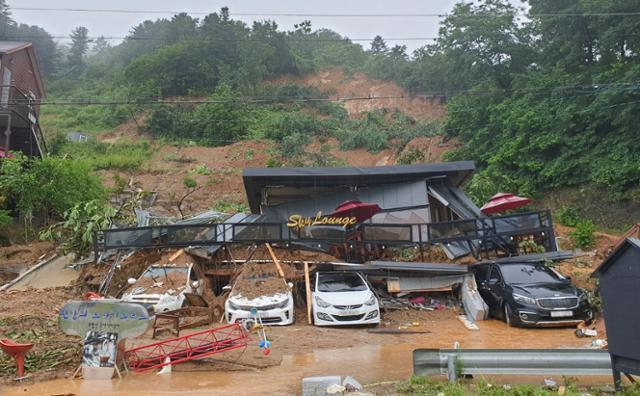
[118,24]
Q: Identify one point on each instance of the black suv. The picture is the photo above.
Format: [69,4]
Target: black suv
[531,294]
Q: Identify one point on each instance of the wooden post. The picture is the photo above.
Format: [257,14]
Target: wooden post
[307,284]
[176,255]
[275,260]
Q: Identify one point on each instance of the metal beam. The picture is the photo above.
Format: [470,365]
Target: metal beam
[455,362]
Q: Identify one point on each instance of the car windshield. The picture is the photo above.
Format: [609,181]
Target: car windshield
[527,273]
[340,283]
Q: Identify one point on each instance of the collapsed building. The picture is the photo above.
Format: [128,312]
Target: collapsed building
[354,219]
[418,206]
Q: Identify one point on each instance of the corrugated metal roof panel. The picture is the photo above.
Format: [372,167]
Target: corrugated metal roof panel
[12,46]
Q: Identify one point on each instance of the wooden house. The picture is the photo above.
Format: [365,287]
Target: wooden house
[21,90]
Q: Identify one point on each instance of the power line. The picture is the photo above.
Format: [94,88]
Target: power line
[322,15]
[578,91]
[203,39]
[244,39]
[163,12]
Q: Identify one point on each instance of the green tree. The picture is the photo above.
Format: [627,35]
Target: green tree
[7,24]
[79,47]
[100,46]
[379,46]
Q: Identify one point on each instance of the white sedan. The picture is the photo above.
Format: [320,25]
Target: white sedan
[343,298]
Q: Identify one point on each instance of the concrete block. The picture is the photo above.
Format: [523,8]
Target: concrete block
[317,386]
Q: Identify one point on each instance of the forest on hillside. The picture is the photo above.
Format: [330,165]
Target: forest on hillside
[540,100]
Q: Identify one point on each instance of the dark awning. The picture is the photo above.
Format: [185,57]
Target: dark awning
[398,266]
[256,179]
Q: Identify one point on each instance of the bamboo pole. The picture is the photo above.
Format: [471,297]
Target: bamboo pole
[307,284]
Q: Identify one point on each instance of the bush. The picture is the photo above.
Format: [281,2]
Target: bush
[411,156]
[78,226]
[98,155]
[293,145]
[211,124]
[287,124]
[373,140]
[230,207]
[568,216]
[5,218]
[582,236]
[47,187]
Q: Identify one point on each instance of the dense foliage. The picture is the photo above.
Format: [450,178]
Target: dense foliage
[550,103]
[540,101]
[46,188]
[291,126]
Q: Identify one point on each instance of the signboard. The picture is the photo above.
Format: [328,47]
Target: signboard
[299,222]
[106,316]
[102,324]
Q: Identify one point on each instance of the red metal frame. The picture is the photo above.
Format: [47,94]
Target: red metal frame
[188,347]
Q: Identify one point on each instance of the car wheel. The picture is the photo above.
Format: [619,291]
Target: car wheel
[507,315]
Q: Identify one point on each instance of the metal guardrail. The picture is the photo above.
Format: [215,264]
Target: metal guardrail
[456,362]
[482,230]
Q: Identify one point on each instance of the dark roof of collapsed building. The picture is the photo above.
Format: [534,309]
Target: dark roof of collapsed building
[256,179]
[615,255]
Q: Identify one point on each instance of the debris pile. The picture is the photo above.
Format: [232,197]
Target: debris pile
[421,303]
[259,279]
[29,316]
[161,279]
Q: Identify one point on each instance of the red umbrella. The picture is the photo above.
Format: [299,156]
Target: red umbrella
[501,202]
[360,210]
[4,153]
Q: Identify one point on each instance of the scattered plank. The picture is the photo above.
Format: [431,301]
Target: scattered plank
[176,255]
[467,323]
[382,330]
[275,260]
[307,285]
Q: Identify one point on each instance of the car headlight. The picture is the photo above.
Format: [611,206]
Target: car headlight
[523,299]
[371,301]
[321,303]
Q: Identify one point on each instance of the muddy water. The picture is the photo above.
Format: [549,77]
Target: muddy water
[367,364]
[376,358]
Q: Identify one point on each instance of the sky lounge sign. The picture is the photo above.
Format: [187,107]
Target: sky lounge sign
[299,222]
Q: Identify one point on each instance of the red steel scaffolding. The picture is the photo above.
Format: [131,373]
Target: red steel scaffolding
[188,347]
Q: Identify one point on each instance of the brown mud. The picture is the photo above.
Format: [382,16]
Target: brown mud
[15,259]
[302,350]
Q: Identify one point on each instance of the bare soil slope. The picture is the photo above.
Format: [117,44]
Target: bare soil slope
[389,95]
